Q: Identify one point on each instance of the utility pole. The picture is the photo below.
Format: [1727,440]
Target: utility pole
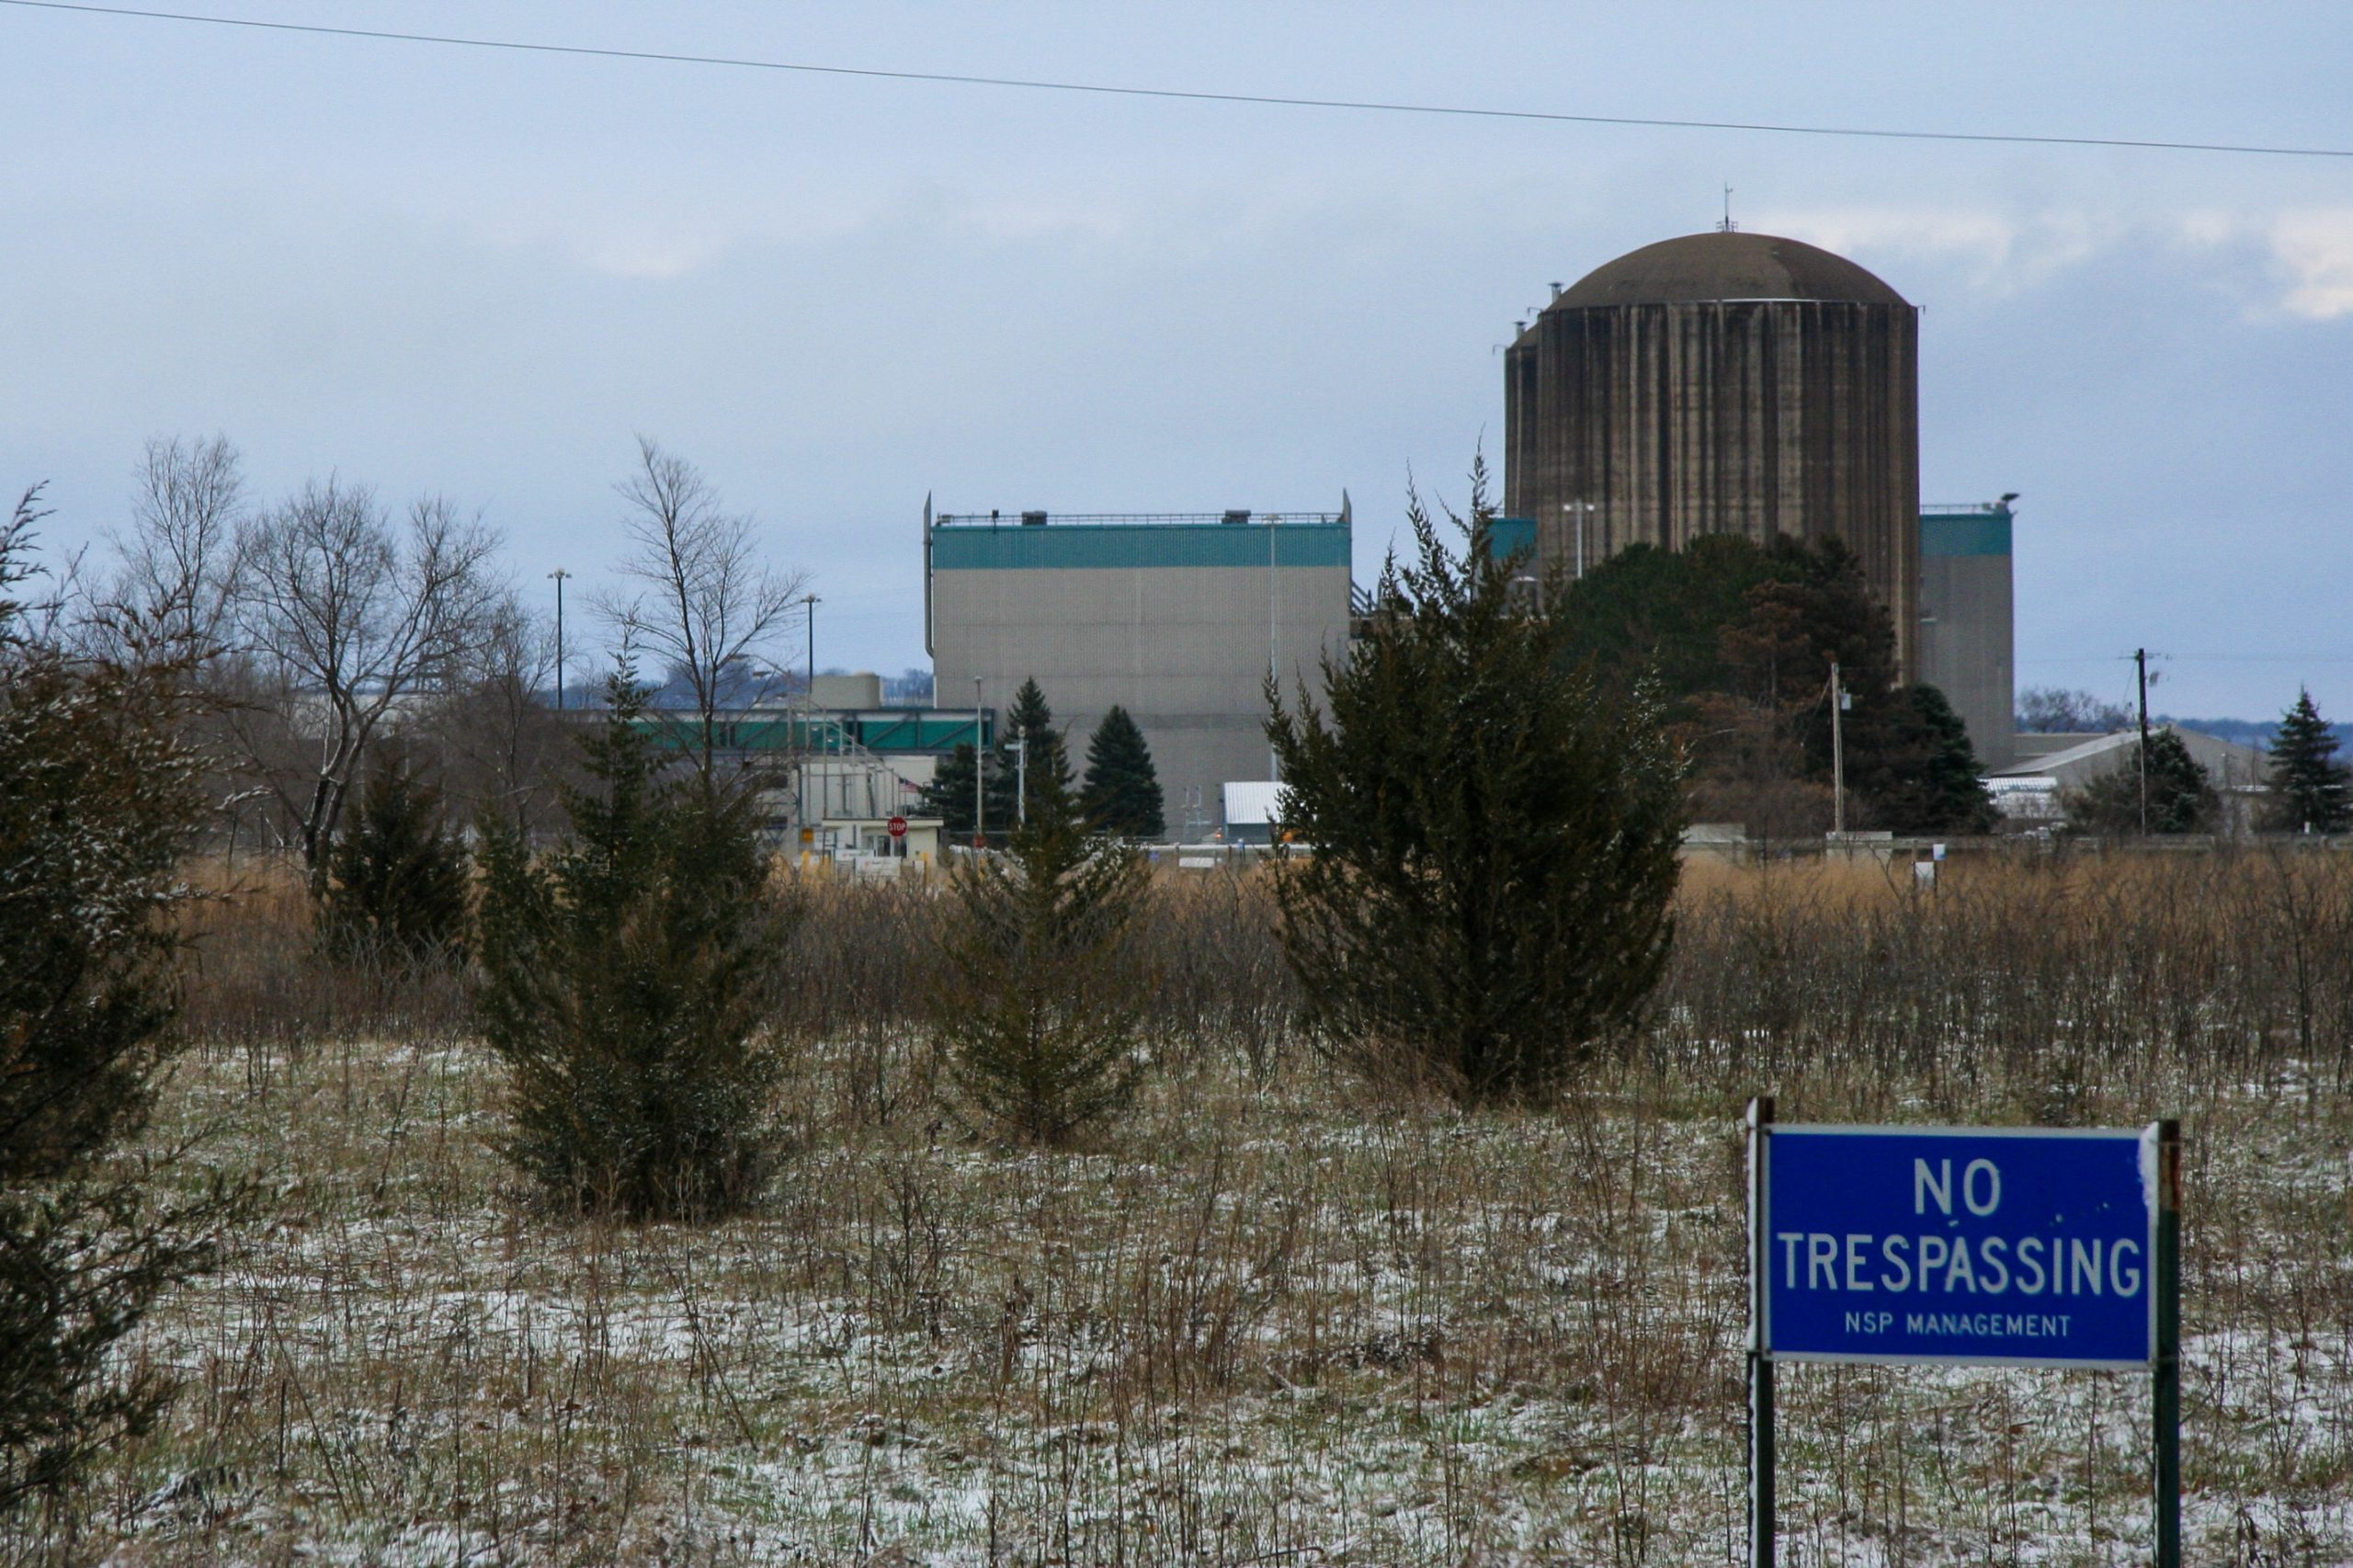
[2141,663]
[980,796]
[559,575]
[811,602]
[1838,756]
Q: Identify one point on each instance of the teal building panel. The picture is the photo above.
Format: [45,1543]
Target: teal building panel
[1115,547]
[1948,534]
[1513,535]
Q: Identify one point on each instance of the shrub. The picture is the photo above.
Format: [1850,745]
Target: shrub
[97,802]
[398,887]
[1041,1007]
[1492,841]
[627,984]
[2180,798]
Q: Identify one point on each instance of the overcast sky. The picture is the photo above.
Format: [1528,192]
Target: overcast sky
[478,273]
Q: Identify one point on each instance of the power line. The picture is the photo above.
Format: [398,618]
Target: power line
[1103,89]
[2197,659]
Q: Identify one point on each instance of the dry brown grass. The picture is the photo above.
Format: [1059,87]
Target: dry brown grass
[1269,1318]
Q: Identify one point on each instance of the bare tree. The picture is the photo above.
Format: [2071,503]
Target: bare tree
[2055,710]
[346,621]
[708,605]
[502,749]
[174,588]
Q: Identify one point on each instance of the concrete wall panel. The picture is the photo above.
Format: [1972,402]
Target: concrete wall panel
[1184,648]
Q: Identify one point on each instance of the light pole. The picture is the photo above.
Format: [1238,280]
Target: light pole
[811,603]
[1837,759]
[1581,510]
[979,797]
[559,575]
[1021,779]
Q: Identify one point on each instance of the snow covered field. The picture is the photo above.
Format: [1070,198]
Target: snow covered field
[1260,1321]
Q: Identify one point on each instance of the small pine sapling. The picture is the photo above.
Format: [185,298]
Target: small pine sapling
[1040,1005]
[627,984]
[397,881]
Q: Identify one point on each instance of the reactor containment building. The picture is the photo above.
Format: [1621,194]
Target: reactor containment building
[1723,382]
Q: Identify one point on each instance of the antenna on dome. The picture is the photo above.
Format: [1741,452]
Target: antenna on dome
[1727,226]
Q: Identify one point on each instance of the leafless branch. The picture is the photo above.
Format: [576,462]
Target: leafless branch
[344,620]
[705,601]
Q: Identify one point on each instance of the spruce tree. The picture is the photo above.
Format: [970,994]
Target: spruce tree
[627,979]
[1123,792]
[398,879]
[1046,766]
[2311,791]
[1492,835]
[949,795]
[1041,1004]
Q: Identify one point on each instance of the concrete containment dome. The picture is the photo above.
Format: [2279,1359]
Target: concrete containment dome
[1723,382]
[1704,268]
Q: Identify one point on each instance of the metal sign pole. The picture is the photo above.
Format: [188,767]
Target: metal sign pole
[1760,1363]
[2166,1376]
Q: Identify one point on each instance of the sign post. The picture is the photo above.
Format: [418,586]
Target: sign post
[2008,1246]
[2166,1367]
[1760,1365]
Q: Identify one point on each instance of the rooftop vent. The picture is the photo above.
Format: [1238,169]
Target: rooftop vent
[1234,516]
[1033,519]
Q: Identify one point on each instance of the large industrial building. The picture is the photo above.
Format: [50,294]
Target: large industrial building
[1967,631]
[1178,617]
[1723,382]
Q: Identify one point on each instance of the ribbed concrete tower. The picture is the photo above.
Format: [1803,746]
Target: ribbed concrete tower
[1723,382]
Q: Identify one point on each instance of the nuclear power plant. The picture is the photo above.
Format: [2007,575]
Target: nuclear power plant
[1723,382]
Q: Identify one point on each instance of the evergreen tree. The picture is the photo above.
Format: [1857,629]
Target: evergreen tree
[949,795]
[98,799]
[1494,836]
[1046,768]
[626,982]
[1040,1008]
[1925,777]
[1659,614]
[2311,791]
[2181,798]
[1122,794]
[398,885]
[1780,650]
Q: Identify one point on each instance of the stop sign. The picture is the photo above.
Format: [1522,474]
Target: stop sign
[898,827]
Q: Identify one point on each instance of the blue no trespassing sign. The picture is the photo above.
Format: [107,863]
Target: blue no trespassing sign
[2022,1246]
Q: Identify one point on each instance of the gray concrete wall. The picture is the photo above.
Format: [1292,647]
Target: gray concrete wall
[1757,417]
[1967,641]
[1184,648]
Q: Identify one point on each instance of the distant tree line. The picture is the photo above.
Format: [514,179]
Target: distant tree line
[2306,789]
